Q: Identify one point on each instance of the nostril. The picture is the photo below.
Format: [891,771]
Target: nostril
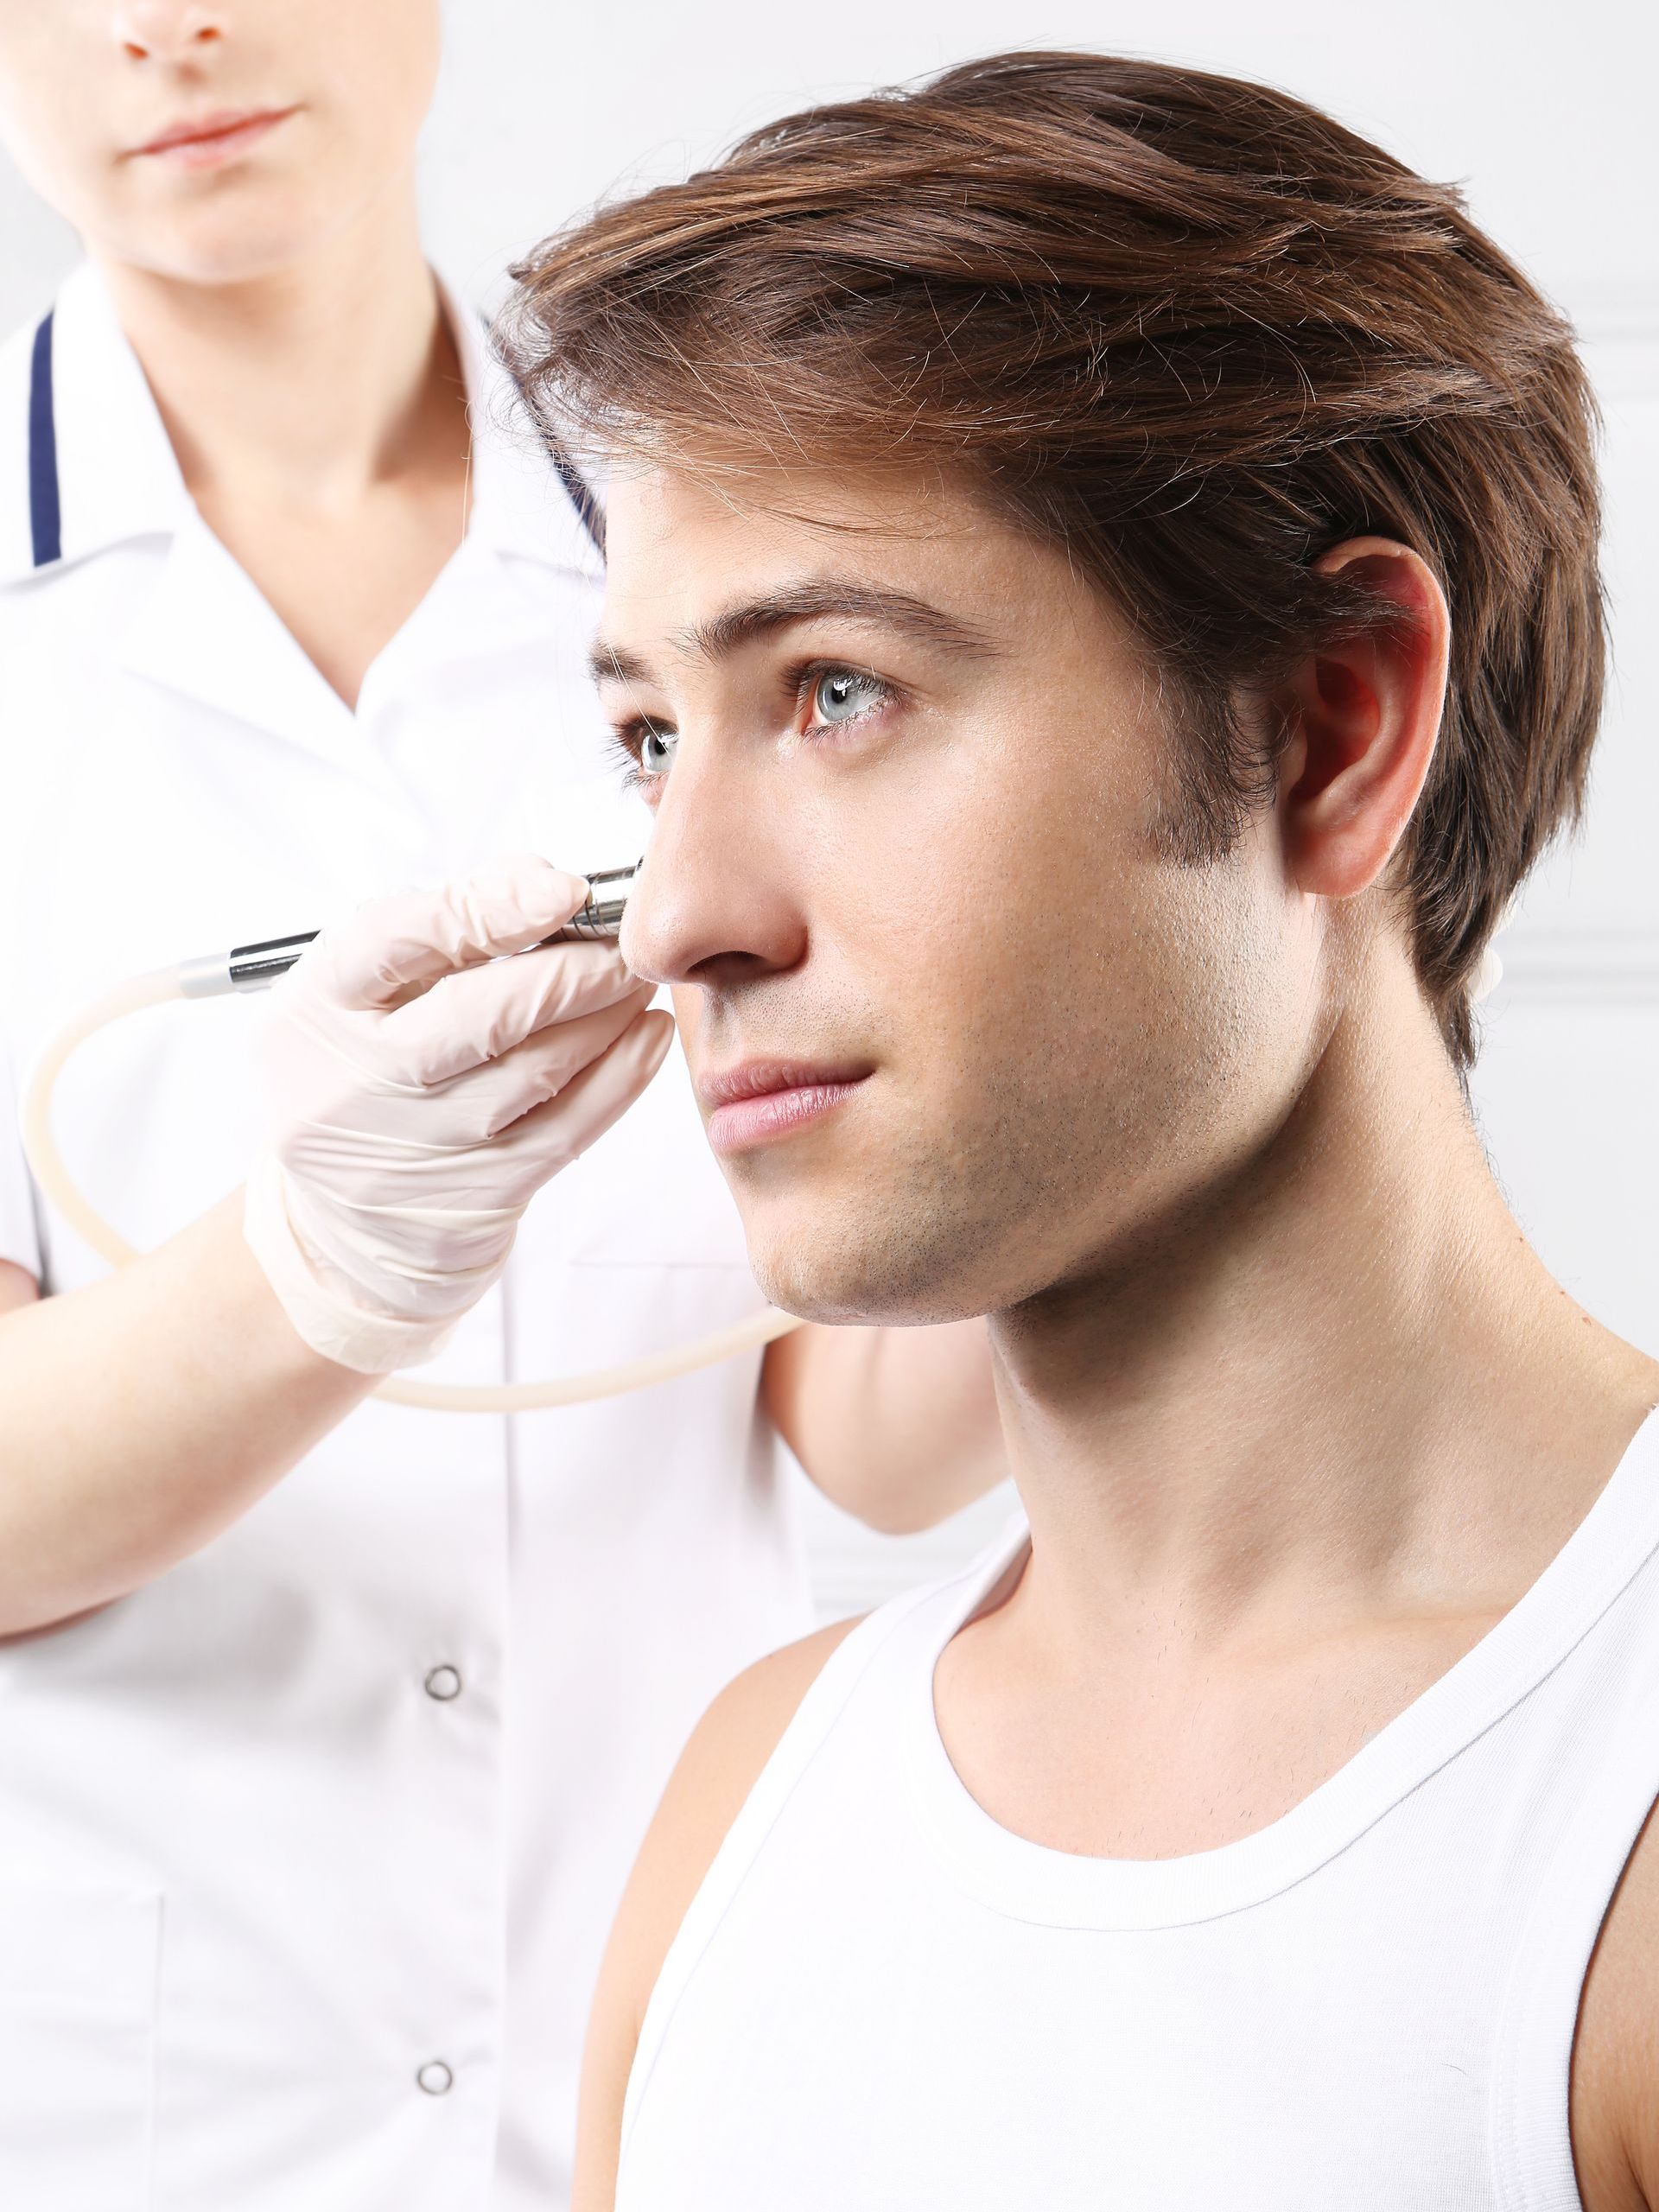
[208,34]
[131,47]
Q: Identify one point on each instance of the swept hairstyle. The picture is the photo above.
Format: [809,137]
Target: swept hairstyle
[1186,327]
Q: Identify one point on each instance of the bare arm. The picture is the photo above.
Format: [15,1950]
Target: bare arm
[1615,2054]
[898,1425]
[717,1770]
[140,1416]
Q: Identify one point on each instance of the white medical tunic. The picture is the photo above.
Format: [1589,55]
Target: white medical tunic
[308,1850]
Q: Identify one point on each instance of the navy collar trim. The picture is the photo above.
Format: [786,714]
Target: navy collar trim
[45,513]
[45,506]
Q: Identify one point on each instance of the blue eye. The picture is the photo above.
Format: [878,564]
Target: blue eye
[842,695]
[657,751]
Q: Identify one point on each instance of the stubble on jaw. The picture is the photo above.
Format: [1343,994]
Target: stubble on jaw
[1084,1129]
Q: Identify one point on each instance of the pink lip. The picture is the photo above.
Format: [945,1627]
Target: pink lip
[217,137]
[760,1101]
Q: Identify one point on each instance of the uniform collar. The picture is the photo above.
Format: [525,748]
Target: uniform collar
[101,470]
[204,630]
[98,466]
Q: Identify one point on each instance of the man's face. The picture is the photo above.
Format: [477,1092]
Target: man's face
[323,100]
[911,880]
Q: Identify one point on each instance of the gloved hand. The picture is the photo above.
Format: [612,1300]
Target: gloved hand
[420,1091]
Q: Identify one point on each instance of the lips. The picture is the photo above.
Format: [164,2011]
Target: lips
[760,1101]
[215,136]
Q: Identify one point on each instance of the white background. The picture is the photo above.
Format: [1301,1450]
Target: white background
[1545,113]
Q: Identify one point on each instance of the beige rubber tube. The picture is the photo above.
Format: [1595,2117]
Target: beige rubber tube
[46,1163]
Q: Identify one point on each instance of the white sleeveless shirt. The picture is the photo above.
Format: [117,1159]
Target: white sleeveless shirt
[882,1999]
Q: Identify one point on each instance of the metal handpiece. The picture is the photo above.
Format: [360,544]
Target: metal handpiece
[601,914]
[256,967]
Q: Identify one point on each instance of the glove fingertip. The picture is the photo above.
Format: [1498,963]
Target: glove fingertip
[539,885]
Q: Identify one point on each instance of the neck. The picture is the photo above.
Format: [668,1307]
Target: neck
[312,382]
[1321,1390]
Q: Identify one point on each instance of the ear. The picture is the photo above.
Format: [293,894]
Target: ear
[1363,718]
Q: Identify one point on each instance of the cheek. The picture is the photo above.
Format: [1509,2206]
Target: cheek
[974,878]
[915,856]
[1021,923]
[50,135]
[388,55]
[1209,1030]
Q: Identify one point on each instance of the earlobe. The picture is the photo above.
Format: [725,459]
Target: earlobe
[1363,715]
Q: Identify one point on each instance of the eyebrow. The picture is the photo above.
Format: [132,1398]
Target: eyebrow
[814,599]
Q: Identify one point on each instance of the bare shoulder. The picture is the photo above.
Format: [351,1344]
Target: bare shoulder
[719,1767]
[1615,2054]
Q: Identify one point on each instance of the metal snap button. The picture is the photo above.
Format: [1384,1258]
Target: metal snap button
[443,1683]
[435,2078]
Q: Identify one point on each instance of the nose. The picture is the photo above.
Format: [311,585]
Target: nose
[167,30]
[714,903]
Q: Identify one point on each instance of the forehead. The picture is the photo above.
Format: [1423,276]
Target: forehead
[680,549]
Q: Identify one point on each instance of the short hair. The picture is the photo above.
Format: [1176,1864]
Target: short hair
[1189,328]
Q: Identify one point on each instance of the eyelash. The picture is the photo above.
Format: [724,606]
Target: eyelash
[628,737]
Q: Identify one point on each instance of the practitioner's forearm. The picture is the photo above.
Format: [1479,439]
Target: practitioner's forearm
[422,1088]
[897,1425]
[140,1416]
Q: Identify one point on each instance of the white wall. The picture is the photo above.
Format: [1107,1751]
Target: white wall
[1545,113]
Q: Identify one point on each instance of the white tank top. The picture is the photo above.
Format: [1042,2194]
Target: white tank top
[880,1999]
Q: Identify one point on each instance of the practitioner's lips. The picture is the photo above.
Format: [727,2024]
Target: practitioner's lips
[760,1101]
[206,140]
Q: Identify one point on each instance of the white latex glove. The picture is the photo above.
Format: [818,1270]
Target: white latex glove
[419,1093]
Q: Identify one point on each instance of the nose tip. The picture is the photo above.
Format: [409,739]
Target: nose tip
[713,925]
[646,936]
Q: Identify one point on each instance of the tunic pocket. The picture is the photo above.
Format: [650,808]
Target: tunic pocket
[78,1979]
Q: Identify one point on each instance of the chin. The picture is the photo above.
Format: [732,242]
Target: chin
[239,255]
[236,240]
[822,1271]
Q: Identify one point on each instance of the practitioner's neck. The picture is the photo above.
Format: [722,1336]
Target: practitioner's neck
[319,414]
[1342,1383]
[312,382]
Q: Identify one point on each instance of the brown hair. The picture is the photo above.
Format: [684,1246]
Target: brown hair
[1186,326]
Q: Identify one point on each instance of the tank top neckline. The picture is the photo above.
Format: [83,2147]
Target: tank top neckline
[1037,1883]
